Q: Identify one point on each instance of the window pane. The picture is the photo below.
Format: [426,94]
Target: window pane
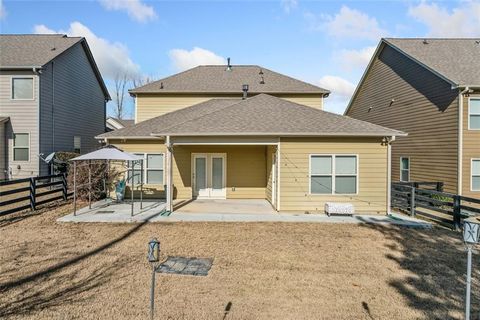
[404,176]
[22,88]
[217,173]
[321,185]
[476,167]
[20,140]
[475,106]
[345,185]
[345,165]
[20,154]
[476,183]
[200,173]
[137,178]
[474,121]
[155,176]
[405,163]
[321,165]
[155,160]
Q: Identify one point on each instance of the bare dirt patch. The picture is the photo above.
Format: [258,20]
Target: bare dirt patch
[51,270]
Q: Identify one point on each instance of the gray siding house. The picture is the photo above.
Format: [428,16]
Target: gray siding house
[52,98]
[429,88]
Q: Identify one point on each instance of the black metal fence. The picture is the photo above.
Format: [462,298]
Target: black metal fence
[30,193]
[443,207]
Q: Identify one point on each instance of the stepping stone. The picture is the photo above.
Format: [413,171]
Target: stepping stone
[186,266]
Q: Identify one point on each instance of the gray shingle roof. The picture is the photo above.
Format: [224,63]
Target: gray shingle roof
[33,49]
[216,79]
[457,60]
[259,115]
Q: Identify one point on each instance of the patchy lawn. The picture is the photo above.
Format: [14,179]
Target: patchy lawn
[261,270]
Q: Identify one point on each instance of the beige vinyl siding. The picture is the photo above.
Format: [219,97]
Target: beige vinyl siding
[294,173]
[246,168]
[23,119]
[153,105]
[3,152]
[424,106]
[314,101]
[72,103]
[269,189]
[471,149]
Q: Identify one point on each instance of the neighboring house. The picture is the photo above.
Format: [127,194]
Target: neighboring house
[54,96]
[202,137]
[116,123]
[429,88]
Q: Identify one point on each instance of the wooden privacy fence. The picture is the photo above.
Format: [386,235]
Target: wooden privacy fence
[445,208]
[29,193]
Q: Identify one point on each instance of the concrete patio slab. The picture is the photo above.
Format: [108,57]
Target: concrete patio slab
[110,211]
[227,206]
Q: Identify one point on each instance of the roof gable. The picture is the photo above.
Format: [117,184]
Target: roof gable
[260,115]
[220,79]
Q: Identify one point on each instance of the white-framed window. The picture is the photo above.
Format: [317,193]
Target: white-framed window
[333,174]
[21,147]
[404,169]
[22,88]
[153,165]
[474,114]
[77,144]
[475,169]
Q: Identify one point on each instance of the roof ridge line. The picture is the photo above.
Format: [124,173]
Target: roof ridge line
[163,79]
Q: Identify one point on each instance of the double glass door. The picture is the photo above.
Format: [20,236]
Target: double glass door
[209,176]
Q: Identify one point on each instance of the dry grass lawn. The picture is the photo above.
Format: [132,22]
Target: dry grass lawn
[51,270]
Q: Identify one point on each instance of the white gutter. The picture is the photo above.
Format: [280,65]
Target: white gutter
[460,141]
[389,174]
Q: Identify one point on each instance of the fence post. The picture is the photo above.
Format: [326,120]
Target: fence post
[456,212]
[64,187]
[32,193]
[412,202]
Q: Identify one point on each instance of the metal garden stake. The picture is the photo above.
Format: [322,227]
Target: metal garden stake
[471,233]
[153,258]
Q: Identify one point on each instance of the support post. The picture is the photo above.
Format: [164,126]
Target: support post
[64,186]
[32,194]
[412,202]
[132,163]
[141,185]
[89,184]
[469,281]
[456,212]
[152,294]
[169,184]
[74,188]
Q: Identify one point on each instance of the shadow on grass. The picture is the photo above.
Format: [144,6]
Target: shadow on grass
[435,261]
[56,290]
[50,287]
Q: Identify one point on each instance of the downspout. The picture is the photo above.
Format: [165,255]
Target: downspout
[53,109]
[460,141]
[389,174]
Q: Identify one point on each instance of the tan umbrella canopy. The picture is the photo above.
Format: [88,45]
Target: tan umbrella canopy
[107,153]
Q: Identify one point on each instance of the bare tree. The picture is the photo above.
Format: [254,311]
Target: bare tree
[120,81]
[140,81]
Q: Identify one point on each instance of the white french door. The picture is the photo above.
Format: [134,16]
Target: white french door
[208,176]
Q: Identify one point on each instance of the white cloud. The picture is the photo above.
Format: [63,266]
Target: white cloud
[137,10]
[347,23]
[289,5]
[463,21]
[3,11]
[112,58]
[355,59]
[184,59]
[341,92]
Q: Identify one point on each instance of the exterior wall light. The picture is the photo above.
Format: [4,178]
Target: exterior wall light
[153,257]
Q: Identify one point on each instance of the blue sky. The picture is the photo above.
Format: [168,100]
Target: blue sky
[328,43]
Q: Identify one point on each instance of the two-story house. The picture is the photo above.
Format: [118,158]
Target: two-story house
[246,132]
[52,98]
[429,88]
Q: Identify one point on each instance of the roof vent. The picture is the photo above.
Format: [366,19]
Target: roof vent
[245,91]
[262,80]
[261,72]
[425,41]
[477,41]
[53,49]
[229,66]
[161,85]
